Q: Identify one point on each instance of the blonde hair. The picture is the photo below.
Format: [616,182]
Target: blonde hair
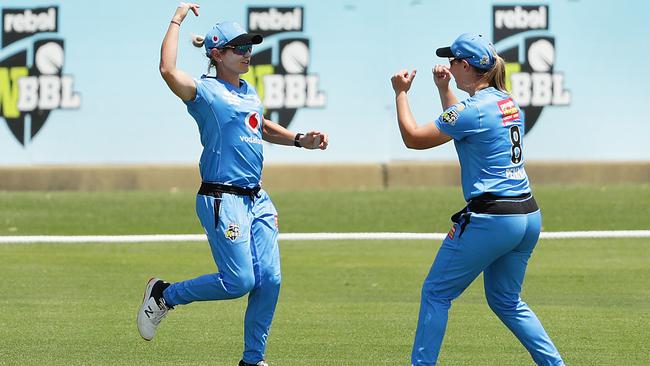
[198,42]
[496,76]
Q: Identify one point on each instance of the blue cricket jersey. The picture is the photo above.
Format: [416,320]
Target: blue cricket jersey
[487,129]
[230,124]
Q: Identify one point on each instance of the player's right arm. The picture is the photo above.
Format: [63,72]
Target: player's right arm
[178,81]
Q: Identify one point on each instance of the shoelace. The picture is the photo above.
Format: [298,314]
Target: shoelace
[160,313]
[260,363]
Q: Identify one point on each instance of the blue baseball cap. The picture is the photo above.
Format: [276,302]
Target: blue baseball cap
[471,47]
[229,34]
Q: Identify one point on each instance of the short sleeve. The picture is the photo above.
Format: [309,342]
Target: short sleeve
[459,121]
[201,94]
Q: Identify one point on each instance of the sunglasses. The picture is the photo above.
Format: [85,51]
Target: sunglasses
[452,59]
[240,50]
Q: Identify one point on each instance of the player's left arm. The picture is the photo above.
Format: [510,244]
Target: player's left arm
[276,134]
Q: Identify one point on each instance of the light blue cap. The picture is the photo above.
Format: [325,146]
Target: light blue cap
[231,34]
[474,48]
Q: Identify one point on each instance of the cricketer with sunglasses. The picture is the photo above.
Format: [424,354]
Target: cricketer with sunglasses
[498,229]
[238,216]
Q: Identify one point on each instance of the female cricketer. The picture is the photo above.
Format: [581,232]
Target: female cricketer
[498,229]
[238,217]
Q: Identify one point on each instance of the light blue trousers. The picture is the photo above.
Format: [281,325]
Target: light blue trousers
[499,246]
[243,236]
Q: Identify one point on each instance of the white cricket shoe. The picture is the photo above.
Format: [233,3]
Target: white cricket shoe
[260,363]
[153,308]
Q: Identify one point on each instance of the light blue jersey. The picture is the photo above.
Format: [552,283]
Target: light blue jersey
[493,236]
[487,129]
[230,123]
[241,225]
[497,231]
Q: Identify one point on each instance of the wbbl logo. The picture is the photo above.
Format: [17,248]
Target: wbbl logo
[32,83]
[279,69]
[522,38]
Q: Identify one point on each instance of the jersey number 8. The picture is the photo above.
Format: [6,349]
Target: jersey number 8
[515,151]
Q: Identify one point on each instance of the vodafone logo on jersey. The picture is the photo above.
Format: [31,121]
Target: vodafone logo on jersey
[253,121]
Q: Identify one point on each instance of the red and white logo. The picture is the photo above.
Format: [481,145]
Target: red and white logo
[253,121]
[509,111]
[215,39]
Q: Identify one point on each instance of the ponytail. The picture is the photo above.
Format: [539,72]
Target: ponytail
[496,76]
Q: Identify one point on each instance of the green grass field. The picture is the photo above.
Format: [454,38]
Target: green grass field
[342,302]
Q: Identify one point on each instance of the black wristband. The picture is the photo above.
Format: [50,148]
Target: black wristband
[296,140]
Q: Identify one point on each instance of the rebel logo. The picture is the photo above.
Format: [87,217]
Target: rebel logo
[21,23]
[510,20]
[286,85]
[268,21]
[252,120]
[522,37]
[32,82]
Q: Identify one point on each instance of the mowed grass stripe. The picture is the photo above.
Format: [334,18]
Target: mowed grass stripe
[342,303]
[564,208]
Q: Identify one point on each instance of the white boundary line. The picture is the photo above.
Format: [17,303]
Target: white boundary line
[301,236]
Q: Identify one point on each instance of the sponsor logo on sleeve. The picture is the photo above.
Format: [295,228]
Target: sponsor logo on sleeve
[450,117]
[509,111]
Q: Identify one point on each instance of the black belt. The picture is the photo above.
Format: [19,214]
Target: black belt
[491,204]
[215,190]
[494,205]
